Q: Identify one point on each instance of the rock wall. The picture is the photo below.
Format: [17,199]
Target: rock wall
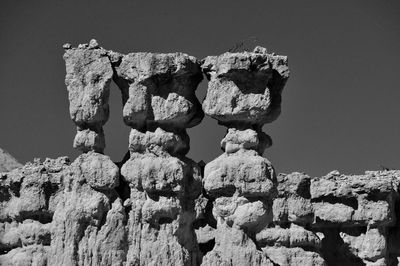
[158,207]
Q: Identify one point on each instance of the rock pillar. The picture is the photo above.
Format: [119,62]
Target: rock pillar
[159,104]
[88,78]
[244,93]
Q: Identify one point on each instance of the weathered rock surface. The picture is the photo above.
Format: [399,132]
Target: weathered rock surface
[243,172]
[53,214]
[248,139]
[88,78]
[7,162]
[159,89]
[158,207]
[158,141]
[360,199]
[245,88]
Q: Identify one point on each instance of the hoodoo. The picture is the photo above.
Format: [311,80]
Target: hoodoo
[158,207]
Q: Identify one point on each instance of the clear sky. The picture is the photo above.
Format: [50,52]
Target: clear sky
[340,106]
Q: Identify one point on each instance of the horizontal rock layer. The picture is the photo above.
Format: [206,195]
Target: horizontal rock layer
[85,213]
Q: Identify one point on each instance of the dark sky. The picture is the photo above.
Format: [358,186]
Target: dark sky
[340,106]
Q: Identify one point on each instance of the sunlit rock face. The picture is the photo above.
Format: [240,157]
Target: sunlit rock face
[159,207]
[88,77]
[245,88]
[159,90]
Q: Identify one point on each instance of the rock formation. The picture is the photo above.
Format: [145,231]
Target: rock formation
[88,78]
[158,207]
[7,162]
[159,90]
[244,92]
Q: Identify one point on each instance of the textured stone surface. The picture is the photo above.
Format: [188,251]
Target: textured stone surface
[158,141]
[52,214]
[88,77]
[159,89]
[370,246]
[293,256]
[295,236]
[234,247]
[158,207]
[7,162]
[164,175]
[355,199]
[88,140]
[245,139]
[244,88]
[243,172]
[98,170]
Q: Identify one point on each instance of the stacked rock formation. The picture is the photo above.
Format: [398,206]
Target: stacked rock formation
[88,80]
[158,207]
[244,92]
[160,104]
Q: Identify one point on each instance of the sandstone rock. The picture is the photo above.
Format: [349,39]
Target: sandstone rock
[239,212]
[295,236]
[88,140]
[166,175]
[7,162]
[245,139]
[98,169]
[88,77]
[205,234]
[244,88]
[29,192]
[35,255]
[370,246]
[159,89]
[293,256]
[243,172]
[158,141]
[374,212]
[376,184]
[109,246]
[251,217]
[169,238]
[293,209]
[156,212]
[233,247]
[164,209]
[9,236]
[76,220]
[360,200]
[335,213]
[294,184]
[28,232]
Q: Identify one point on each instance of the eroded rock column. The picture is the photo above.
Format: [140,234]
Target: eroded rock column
[244,92]
[159,104]
[89,220]
[88,78]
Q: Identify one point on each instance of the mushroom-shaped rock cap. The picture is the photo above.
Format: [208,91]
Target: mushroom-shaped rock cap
[159,90]
[245,88]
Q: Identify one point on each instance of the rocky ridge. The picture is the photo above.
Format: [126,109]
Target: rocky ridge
[7,162]
[158,207]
